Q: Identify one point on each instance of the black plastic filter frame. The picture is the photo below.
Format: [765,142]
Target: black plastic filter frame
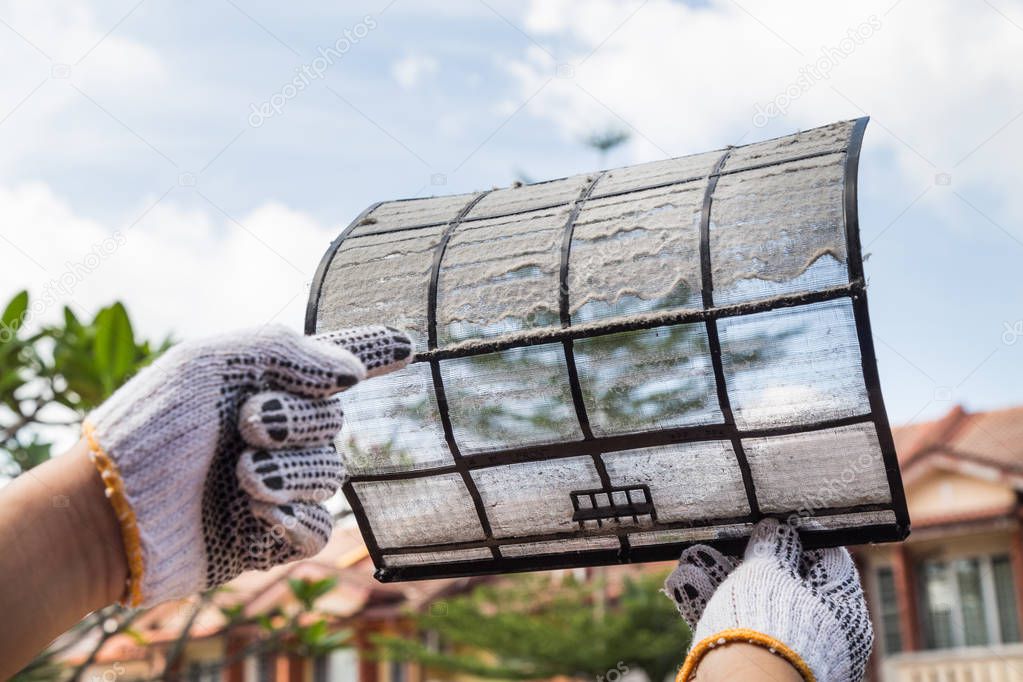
[567,344]
[597,446]
[714,341]
[612,511]
[868,359]
[438,379]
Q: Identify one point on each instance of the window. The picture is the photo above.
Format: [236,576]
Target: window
[203,672]
[266,668]
[967,602]
[888,607]
[431,640]
[321,669]
[341,665]
[396,672]
[1008,621]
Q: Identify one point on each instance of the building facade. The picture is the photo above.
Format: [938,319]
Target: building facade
[947,602]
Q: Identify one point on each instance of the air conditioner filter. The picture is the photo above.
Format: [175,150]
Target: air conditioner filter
[615,365]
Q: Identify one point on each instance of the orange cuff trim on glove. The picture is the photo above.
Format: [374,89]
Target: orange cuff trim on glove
[744,636]
[125,515]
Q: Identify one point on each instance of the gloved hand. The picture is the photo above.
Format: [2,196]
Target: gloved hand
[217,457]
[807,607]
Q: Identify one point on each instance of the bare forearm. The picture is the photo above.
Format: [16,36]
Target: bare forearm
[745,662]
[62,557]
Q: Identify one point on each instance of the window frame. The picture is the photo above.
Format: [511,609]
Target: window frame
[879,609]
[989,599]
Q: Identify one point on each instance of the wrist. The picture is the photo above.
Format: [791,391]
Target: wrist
[745,639]
[117,502]
[62,545]
[99,533]
[743,661]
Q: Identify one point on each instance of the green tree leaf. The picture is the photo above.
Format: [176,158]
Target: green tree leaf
[308,591]
[67,365]
[312,634]
[13,315]
[71,322]
[114,352]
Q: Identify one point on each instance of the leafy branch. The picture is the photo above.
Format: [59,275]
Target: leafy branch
[53,376]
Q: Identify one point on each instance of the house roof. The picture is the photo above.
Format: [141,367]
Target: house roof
[983,446]
[994,438]
[344,558]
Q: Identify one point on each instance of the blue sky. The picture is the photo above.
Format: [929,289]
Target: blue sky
[133,118]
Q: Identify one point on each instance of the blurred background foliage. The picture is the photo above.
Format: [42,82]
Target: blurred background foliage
[303,630]
[527,628]
[52,375]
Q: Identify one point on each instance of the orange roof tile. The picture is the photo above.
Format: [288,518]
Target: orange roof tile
[995,437]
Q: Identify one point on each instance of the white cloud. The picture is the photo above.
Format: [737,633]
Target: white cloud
[187,271]
[941,83]
[411,70]
[72,34]
[690,78]
[57,54]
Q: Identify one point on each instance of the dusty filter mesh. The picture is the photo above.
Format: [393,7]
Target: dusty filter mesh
[615,365]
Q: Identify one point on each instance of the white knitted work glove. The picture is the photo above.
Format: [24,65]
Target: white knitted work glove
[807,607]
[218,456]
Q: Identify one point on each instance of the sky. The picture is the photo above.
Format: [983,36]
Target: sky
[195,159]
